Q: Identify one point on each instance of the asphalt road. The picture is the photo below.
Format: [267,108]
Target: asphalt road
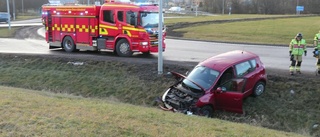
[271,56]
[180,50]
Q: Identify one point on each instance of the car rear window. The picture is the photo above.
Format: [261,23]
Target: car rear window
[243,68]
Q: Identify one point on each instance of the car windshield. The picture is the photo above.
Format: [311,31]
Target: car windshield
[149,19]
[203,76]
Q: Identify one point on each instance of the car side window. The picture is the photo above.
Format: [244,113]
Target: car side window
[253,64]
[225,77]
[243,68]
[108,16]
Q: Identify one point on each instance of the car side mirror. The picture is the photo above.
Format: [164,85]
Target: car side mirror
[132,21]
[221,90]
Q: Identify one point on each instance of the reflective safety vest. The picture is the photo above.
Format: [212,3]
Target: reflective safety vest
[317,38]
[298,47]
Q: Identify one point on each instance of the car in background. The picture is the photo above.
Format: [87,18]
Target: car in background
[217,83]
[175,9]
[4,17]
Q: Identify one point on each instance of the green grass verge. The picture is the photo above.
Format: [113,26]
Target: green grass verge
[139,84]
[171,21]
[34,113]
[273,31]
[26,17]
[8,33]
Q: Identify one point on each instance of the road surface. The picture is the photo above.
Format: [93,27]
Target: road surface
[179,50]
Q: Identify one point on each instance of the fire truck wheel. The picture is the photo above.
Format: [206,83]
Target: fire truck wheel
[146,53]
[68,44]
[123,48]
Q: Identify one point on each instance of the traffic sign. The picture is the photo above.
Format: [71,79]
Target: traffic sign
[299,8]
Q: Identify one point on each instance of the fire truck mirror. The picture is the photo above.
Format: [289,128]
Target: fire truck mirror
[144,14]
[133,20]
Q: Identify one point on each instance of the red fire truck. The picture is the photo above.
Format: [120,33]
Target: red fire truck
[123,28]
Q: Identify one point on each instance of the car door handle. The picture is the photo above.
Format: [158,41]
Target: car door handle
[236,99]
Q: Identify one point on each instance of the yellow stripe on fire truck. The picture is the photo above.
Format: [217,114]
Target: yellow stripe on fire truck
[71,28]
[133,29]
[122,6]
[103,29]
[82,28]
[56,27]
[93,29]
[66,28]
[108,27]
[127,32]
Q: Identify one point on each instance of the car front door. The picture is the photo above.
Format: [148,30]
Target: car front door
[229,95]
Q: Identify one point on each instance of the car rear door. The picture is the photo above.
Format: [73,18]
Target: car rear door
[229,97]
[247,69]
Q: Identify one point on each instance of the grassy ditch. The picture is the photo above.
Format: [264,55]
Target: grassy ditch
[138,84]
[34,113]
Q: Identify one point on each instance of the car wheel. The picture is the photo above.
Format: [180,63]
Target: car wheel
[206,111]
[123,48]
[68,44]
[259,88]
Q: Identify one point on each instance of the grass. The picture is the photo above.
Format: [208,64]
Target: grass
[94,79]
[39,113]
[171,21]
[6,33]
[138,84]
[273,31]
[26,17]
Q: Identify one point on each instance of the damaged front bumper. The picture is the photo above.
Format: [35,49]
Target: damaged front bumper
[175,100]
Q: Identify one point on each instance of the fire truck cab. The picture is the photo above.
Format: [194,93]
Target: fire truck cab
[123,28]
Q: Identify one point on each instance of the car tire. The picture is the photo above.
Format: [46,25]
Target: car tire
[123,48]
[68,44]
[259,88]
[206,111]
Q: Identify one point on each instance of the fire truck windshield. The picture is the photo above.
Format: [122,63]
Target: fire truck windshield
[149,19]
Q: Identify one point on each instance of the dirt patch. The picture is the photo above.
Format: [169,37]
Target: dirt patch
[28,32]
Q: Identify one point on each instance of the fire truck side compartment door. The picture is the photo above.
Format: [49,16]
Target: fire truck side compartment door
[101,43]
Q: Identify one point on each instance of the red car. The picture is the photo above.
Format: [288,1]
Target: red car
[217,83]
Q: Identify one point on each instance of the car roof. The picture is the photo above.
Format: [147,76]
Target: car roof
[225,60]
